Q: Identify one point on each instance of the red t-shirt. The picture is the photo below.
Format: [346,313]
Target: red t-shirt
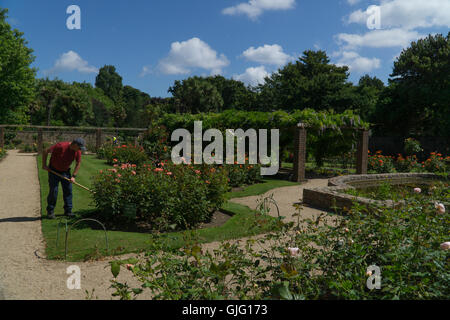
[63,156]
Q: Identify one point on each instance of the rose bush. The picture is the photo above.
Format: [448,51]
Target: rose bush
[435,163]
[122,154]
[164,196]
[327,256]
[380,163]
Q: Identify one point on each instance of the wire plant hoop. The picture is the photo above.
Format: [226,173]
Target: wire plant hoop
[264,205]
[66,249]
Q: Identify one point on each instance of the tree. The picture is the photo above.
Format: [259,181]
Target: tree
[110,82]
[235,94]
[135,102]
[195,95]
[16,75]
[418,99]
[367,94]
[311,82]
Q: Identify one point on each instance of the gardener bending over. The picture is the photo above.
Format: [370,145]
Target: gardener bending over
[63,154]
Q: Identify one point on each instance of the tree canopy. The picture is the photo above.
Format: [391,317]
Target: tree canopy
[16,75]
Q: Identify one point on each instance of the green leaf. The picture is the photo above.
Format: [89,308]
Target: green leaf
[115,268]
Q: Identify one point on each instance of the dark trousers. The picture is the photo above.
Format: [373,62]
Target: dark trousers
[53,181]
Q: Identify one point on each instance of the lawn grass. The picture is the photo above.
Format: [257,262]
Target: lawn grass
[87,242]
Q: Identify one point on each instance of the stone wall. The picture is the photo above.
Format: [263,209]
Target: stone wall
[327,198]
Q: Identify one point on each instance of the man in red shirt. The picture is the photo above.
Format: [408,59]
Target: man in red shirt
[63,154]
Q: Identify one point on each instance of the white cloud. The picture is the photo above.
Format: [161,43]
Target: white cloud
[145,71]
[357,63]
[352,2]
[193,53]
[71,61]
[379,38]
[268,54]
[254,8]
[253,76]
[409,14]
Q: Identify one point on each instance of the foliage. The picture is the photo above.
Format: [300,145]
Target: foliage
[195,94]
[416,102]
[243,174]
[110,82]
[319,136]
[380,163]
[435,163]
[2,153]
[412,146]
[16,74]
[321,257]
[408,164]
[155,143]
[166,197]
[311,82]
[122,154]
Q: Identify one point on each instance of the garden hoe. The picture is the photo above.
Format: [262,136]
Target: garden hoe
[75,183]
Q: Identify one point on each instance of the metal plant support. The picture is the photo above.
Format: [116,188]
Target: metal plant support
[74,224]
[266,203]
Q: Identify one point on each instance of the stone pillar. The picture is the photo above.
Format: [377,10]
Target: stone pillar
[40,141]
[362,152]
[299,153]
[98,140]
[2,138]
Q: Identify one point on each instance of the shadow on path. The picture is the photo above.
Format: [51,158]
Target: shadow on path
[21,219]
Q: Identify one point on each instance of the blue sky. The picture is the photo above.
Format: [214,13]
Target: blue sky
[152,43]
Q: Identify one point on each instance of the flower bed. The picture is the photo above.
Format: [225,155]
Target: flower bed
[122,154]
[165,197]
[406,247]
[379,163]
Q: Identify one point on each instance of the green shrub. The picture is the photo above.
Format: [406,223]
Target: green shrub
[435,163]
[123,154]
[380,163]
[412,146]
[2,153]
[407,164]
[168,196]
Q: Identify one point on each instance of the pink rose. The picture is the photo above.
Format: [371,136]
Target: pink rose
[133,172]
[445,245]
[417,190]
[158,170]
[169,173]
[293,252]
[440,208]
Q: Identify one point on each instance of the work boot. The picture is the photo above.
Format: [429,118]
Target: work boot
[51,215]
[69,214]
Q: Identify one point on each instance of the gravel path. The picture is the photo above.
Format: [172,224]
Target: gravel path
[285,197]
[24,271]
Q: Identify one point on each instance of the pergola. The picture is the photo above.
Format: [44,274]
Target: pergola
[300,151]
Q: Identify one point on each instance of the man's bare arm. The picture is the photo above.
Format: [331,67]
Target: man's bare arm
[77,167]
[44,159]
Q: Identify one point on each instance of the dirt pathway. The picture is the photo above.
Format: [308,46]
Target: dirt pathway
[25,274]
[285,197]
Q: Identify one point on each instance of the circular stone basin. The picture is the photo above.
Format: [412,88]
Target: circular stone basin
[333,196]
